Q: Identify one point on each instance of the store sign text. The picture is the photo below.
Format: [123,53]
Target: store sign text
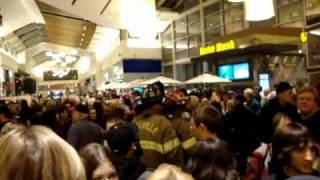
[303,37]
[218,47]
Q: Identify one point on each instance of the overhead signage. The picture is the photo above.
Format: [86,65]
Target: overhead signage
[303,37]
[218,47]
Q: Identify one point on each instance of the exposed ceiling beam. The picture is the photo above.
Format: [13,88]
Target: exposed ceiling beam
[105,7]
[59,15]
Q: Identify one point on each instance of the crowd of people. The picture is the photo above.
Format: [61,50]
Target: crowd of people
[158,135]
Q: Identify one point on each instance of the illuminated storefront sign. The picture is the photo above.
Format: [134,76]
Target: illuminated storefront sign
[303,37]
[218,47]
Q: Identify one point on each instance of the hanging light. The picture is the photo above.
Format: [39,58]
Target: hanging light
[136,14]
[259,10]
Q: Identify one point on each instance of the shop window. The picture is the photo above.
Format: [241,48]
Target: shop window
[180,32]
[234,14]
[181,48]
[194,17]
[213,21]
[168,71]
[194,28]
[194,23]
[212,9]
[212,34]
[227,4]
[234,27]
[181,54]
[166,36]
[289,11]
[194,45]
[313,12]
[180,28]
[195,41]
[188,4]
[167,51]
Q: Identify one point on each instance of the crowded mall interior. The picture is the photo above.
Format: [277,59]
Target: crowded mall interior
[159,89]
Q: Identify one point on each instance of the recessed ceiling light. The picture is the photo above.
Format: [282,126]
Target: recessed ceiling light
[109,16]
[84,27]
[83,34]
[81,39]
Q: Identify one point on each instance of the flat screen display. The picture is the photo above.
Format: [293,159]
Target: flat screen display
[235,71]
[226,72]
[241,71]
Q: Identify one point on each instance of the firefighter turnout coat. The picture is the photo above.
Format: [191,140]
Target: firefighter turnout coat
[158,140]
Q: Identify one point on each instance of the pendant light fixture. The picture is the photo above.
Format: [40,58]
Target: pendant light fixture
[259,10]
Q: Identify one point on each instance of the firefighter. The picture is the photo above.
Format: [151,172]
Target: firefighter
[158,138]
[179,115]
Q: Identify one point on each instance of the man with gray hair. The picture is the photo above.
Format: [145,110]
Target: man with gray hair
[251,101]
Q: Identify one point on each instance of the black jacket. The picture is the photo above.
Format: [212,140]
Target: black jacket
[240,126]
[313,123]
[269,111]
[129,168]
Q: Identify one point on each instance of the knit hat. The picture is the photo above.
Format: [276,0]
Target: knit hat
[283,86]
[120,137]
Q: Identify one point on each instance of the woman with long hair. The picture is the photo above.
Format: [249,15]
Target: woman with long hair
[35,153]
[212,160]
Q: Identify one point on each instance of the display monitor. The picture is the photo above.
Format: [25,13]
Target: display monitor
[241,71]
[235,71]
[226,71]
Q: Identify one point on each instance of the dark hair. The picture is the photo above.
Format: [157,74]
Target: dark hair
[212,160]
[5,111]
[93,155]
[288,138]
[282,87]
[118,112]
[209,116]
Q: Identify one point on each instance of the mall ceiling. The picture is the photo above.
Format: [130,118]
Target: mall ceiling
[65,29]
[37,26]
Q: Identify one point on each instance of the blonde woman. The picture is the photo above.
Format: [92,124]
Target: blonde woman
[169,172]
[35,153]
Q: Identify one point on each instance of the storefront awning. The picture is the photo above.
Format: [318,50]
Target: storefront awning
[262,49]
